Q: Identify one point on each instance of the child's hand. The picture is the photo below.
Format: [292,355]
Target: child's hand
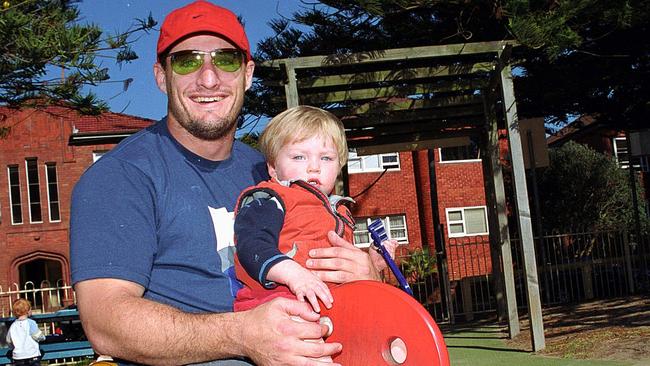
[308,287]
[302,283]
[377,260]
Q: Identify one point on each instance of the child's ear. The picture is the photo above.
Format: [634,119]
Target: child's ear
[271,170]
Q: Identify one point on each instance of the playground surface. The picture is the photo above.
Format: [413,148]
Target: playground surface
[599,333]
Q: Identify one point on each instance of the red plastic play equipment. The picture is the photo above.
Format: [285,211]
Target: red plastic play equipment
[379,324]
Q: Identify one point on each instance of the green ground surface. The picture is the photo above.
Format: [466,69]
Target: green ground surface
[485,346]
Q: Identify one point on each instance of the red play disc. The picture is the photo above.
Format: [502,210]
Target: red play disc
[379,324]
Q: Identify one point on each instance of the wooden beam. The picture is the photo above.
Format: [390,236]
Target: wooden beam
[373,140]
[414,146]
[393,75]
[469,113]
[400,104]
[523,210]
[291,88]
[428,126]
[441,86]
[396,54]
[500,248]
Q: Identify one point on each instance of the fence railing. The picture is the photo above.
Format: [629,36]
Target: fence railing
[572,268]
[46,298]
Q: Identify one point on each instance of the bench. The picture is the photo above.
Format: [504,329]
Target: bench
[54,351]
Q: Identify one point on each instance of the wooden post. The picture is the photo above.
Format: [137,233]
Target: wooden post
[500,249]
[291,87]
[523,209]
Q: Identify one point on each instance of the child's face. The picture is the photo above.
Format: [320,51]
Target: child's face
[314,160]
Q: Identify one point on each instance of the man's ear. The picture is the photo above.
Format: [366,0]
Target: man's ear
[250,67]
[161,78]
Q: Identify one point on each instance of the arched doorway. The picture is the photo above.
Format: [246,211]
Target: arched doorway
[39,278]
[40,271]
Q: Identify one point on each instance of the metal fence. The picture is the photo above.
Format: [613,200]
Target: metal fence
[44,299]
[578,267]
[572,268]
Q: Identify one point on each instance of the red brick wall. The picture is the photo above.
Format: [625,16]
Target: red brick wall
[45,136]
[394,194]
[459,185]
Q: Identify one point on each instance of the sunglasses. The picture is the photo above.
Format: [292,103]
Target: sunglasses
[188,61]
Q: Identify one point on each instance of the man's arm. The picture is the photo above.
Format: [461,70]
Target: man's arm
[120,323]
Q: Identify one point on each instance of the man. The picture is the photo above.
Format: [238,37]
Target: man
[151,222]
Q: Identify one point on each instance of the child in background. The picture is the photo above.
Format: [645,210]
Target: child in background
[279,221]
[24,335]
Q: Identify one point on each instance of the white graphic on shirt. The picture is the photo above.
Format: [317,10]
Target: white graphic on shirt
[223,223]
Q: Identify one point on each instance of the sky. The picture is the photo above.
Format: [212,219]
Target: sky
[143,98]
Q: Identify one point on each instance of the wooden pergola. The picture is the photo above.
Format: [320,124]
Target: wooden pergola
[425,97]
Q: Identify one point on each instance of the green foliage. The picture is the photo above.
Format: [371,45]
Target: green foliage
[419,264]
[578,56]
[250,139]
[586,190]
[40,39]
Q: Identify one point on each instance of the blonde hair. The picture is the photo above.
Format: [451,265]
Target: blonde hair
[21,307]
[299,123]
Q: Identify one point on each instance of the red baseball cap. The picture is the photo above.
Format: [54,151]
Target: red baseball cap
[201,17]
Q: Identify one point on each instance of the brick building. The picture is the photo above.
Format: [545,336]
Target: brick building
[43,152]
[397,188]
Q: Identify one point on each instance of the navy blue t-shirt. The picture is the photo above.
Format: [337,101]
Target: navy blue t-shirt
[154,213]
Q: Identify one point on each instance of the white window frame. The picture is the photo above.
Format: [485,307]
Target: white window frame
[352,156]
[56,187]
[462,221]
[29,194]
[460,160]
[625,164]
[20,196]
[386,221]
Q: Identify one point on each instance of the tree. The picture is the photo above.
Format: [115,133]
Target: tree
[583,178]
[39,38]
[577,56]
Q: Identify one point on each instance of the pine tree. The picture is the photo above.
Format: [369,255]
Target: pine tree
[40,40]
[577,56]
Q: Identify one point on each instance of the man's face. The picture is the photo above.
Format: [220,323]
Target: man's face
[205,102]
[314,160]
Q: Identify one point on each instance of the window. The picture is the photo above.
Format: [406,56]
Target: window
[621,153]
[372,163]
[467,221]
[98,154]
[33,191]
[52,192]
[395,228]
[14,195]
[460,153]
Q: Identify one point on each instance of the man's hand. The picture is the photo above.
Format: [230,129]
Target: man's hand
[343,262]
[271,337]
[377,259]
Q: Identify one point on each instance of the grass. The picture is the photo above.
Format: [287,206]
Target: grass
[486,346]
